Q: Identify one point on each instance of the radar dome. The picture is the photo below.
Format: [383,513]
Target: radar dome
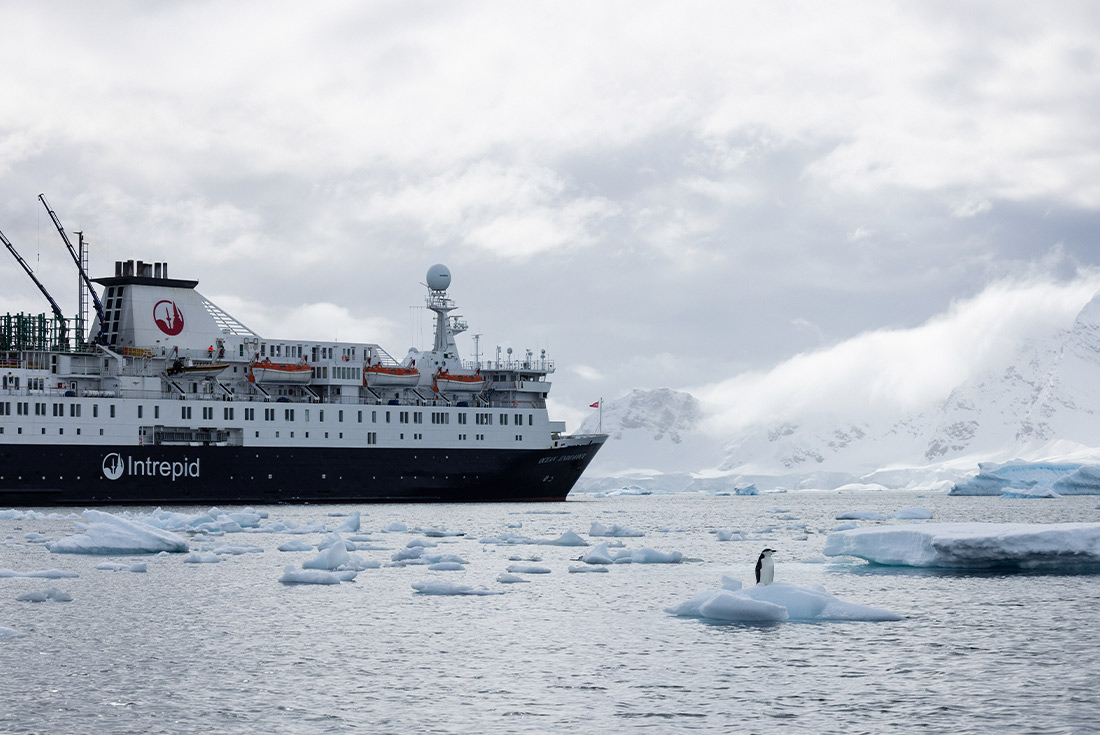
[439,277]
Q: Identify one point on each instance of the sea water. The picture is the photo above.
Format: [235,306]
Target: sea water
[226,648]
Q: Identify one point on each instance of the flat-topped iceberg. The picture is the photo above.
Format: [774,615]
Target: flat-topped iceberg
[775,603]
[1053,546]
[1031,480]
[108,534]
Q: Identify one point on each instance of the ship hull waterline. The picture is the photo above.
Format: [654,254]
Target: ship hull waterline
[41,475]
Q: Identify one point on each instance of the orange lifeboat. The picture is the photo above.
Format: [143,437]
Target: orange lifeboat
[266,371]
[387,376]
[446,382]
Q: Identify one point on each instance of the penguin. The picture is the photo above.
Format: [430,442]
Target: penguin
[765,568]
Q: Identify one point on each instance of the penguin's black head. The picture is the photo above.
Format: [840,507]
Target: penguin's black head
[767,551]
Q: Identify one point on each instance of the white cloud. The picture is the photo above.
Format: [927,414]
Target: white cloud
[891,370]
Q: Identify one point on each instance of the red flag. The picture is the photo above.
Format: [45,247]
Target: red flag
[595,405]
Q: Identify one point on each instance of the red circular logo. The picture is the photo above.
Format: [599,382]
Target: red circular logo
[168,317]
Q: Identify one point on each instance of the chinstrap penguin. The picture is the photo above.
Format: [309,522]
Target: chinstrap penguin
[765,567]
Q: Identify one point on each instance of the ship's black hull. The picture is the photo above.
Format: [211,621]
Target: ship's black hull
[38,475]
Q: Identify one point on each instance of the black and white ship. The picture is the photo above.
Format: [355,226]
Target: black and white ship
[171,400]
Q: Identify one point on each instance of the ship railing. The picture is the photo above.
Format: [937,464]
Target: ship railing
[539,365]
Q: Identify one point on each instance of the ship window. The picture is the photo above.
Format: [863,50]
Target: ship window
[340,416]
[504,419]
[95,410]
[208,413]
[418,417]
[387,417]
[360,417]
[263,349]
[288,414]
[156,412]
[530,419]
[139,410]
[462,418]
[74,410]
[374,417]
[112,410]
[228,414]
[321,416]
[403,417]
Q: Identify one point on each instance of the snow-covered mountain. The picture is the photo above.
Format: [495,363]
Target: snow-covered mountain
[1041,403]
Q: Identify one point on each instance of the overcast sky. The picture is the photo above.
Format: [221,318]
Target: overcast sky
[692,195]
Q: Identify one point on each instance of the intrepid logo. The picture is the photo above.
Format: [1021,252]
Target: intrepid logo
[168,317]
[115,466]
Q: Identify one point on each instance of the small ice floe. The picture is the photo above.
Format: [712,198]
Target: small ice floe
[746,490]
[108,534]
[440,532]
[729,535]
[917,512]
[52,593]
[351,525]
[582,570]
[532,557]
[196,557]
[10,633]
[422,543]
[567,539]
[598,529]
[446,566]
[112,566]
[396,527]
[1031,493]
[547,512]
[860,515]
[31,515]
[336,557]
[603,555]
[527,569]
[504,578]
[1048,546]
[44,574]
[515,525]
[37,538]
[233,550]
[295,545]
[443,587]
[309,576]
[846,526]
[775,603]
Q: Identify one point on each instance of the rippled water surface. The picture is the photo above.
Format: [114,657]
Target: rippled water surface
[226,648]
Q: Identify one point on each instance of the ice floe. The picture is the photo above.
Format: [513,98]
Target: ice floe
[295,545]
[9,633]
[1049,546]
[603,555]
[582,570]
[314,576]
[505,578]
[916,512]
[49,594]
[196,557]
[598,529]
[443,587]
[527,569]
[774,603]
[43,574]
[860,515]
[114,566]
[1031,480]
[109,534]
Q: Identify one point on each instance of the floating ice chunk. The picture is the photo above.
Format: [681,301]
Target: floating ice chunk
[443,587]
[111,566]
[443,559]
[410,552]
[351,525]
[776,602]
[52,593]
[532,557]
[446,566]
[649,556]
[108,534]
[973,545]
[441,532]
[396,527]
[860,515]
[567,539]
[1084,480]
[32,515]
[1017,477]
[917,512]
[44,574]
[510,578]
[730,536]
[9,633]
[334,557]
[139,568]
[1030,493]
[196,557]
[310,576]
[527,569]
[846,526]
[598,529]
[421,542]
[581,570]
[295,545]
[37,538]
[746,490]
[598,555]
[231,550]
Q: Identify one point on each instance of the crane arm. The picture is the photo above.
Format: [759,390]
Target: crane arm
[76,258]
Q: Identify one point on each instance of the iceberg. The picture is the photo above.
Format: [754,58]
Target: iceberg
[1046,546]
[1031,479]
[108,534]
[775,603]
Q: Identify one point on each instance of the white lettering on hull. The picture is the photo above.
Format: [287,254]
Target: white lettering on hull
[115,466]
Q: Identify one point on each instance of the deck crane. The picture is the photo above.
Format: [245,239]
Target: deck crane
[62,327]
[80,267]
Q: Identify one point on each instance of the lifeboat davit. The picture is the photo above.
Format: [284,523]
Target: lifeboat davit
[196,369]
[446,382]
[386,376]
[266,371]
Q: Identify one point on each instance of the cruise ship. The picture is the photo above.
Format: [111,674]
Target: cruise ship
[168,399]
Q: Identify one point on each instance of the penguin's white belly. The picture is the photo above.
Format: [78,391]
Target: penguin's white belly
[767,571]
